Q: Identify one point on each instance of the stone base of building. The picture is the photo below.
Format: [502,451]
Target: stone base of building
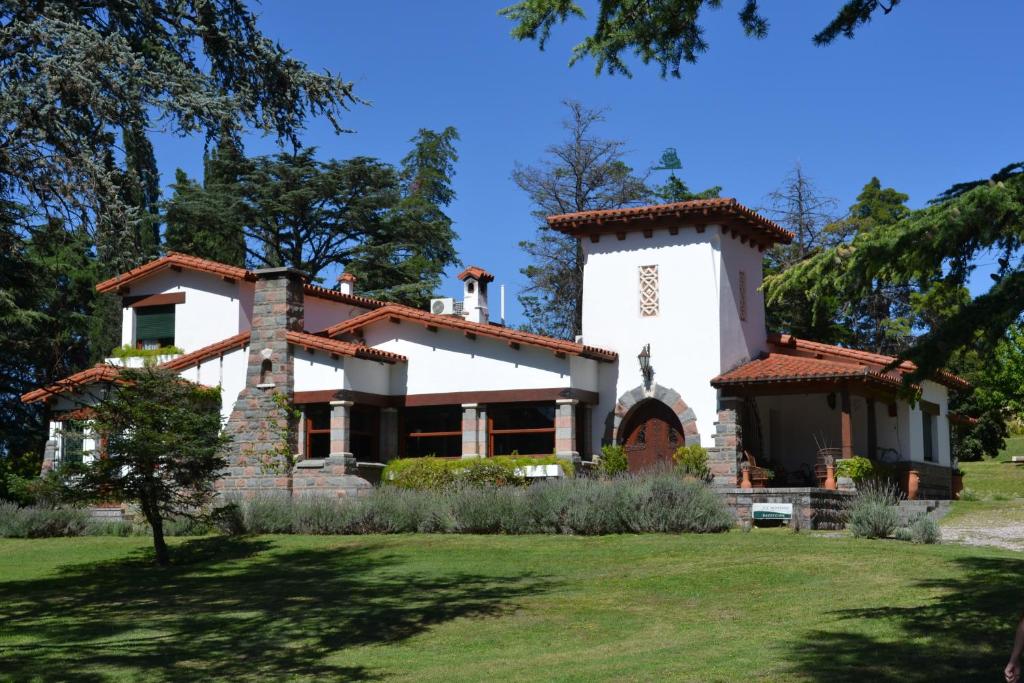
[812,508]
[332,476]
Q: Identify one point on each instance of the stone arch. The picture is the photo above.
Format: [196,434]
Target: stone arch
[669,397]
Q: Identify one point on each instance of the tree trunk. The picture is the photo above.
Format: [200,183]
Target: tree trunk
[156,523]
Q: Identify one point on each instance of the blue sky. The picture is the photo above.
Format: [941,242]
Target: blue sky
[926,96]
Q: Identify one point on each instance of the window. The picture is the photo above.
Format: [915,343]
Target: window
[73,441]
[929,444]
[318,430]
[648,291]
[154,327]
[433,430]
[364,426]
[523,428]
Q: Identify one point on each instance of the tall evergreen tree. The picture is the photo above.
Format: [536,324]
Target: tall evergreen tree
[207,219]
[582,173]
[403,261]
[676,190]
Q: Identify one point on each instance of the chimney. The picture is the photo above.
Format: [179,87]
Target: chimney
[347,283]
[474,288]
[278,308]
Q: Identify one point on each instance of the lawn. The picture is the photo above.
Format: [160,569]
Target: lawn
[769,605]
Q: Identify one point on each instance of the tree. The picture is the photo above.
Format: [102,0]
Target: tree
[799,205]
[675,190]
[163,448]
[77,76]
[207,220]
[883,319]
[666,32]
[582,173]
[936,248]
[403,260]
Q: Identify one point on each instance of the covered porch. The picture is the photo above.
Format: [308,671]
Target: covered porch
[797,418]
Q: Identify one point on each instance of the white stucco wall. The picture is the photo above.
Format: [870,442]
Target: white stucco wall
[317,371]
[684,336]
[741,339]
[938,394]
[322,313]
[211,311]
[447,361]
[226,372]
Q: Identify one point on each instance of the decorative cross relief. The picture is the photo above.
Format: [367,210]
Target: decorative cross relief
[648,291]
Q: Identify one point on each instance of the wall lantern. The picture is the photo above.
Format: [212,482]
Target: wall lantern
[645,364]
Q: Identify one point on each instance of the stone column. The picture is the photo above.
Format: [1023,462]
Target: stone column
[341,423]
[724,458]
[263,423]
[388,434]
[565,430]
[50,452]
[471,431]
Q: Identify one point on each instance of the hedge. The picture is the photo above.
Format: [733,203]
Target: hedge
[438,473]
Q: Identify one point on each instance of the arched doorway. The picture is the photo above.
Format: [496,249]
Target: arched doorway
[650,434]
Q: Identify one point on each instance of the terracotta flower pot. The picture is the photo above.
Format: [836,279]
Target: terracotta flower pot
[745,483]
[913,484]
[830,477]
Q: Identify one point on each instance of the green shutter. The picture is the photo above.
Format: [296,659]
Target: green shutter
[155,323]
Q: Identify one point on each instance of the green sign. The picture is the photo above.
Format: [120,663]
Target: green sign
[771,511]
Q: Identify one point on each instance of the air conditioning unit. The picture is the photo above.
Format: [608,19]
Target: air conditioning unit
[442,306]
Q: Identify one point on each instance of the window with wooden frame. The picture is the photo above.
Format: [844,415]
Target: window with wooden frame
[154,327]
[318,430]
[433,430]
[364,428]
[521,428]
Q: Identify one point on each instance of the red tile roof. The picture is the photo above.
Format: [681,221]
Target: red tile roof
[698,211]
[476,272]
[98,373]
[779,367]
[173,259]
[212,351]
[482,329]
[789,344]
[343,348]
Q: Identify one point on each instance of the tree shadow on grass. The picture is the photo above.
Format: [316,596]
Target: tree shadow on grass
[232,609]
[963,634]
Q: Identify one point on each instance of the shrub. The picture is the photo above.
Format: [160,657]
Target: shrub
[43,491]
[268,513]
[692,460]
[613,460]
[40,522]
[229,519]
[872,513]
[323,515]
[432,473]
[969,494]
[857,468]
[924,529]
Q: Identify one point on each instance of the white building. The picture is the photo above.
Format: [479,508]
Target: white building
[674,351]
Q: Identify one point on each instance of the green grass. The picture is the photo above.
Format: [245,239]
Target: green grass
[999,491]
[1014,446]
[765,606]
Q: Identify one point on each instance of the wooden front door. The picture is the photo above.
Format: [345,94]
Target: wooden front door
[651,434]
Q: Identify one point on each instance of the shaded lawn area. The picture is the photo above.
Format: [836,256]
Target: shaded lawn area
[765,606]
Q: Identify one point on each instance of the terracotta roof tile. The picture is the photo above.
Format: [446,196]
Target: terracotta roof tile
[482,329]
[639,217]
[343,348]
[98,373]
[212,351]
[779,367]
[476,272]
[173,259]
[787,343]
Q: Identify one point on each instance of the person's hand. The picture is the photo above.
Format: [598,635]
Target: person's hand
[1012,671]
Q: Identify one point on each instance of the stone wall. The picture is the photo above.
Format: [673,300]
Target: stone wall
[812,508]
[724,458]
[936,481]
[327,477]
[263,424]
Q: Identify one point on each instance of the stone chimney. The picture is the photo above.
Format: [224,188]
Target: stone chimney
[474,296]
[263,427]
[347,283]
